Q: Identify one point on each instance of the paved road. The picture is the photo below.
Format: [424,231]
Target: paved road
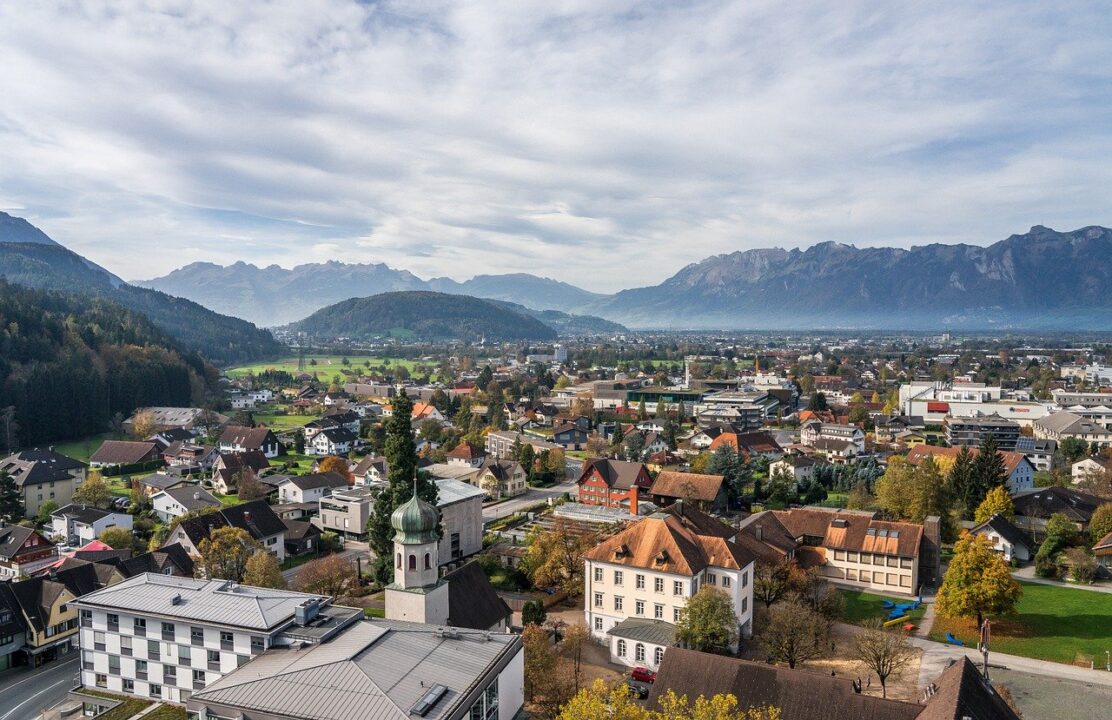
[531,497]
[25,693]
[1027,574]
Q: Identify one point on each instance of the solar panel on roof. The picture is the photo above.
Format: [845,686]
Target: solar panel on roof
[428,700]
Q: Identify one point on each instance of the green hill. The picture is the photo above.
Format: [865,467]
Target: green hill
[422,315]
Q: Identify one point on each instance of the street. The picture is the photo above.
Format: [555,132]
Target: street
[26,692]
[531,497]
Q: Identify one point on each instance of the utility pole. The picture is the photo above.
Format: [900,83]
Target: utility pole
[985,635]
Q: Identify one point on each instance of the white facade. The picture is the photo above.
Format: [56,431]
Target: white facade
[76,531]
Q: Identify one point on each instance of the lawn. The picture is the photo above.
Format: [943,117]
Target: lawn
[283,422]
[326,365]
[861,606]
[128,706]
[1052,623]
[166,712]
[83,448]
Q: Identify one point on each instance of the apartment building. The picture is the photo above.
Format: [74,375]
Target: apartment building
[166,637]
[1062,425]
[972,431]
[613,483]
[637,583]
[346,512]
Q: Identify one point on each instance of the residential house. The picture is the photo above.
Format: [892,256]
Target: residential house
[501,444]
[332,441]
[229,467]
[166,438]
[1038,451]
[165,637]
[637,582]
[79,524]
[467,454]
[302,538]
[157,482]
[240,439]
[346,511]
[348,420]
[886,428]
[854,548]
[124,453]
[13,630]
[1006,539]
[46,604]
[1061,425]
[837,452]
[833,437]
[707,492]
[613,483]
[501,478]
[800,468]
[310,488]
[182,499]
[42,476]
[570,436]
[191,455]
[461,519]
[256,517]
[1035,506]
[370,470]
[749,444]
[1018,469]
[23,551]
[1090,466]
[972,431]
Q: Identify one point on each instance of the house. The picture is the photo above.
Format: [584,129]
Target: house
[346,511]
[124,453]
[828,436]
[854,548]
[344,419]
[302,538]
[570,436]
[959,693]
[1103,552]
[613,483]
[42,476]
[749,444]
[1038,451]
[1035,506]
[637,582]
[167,637]
[79,524]
[501,478]
[182,499]
[467,454]
[501,444]
[837,452]
[1089,467]
[310,488]
[972,431]
[332,441]
[166,438]
[370,470]
[886,428]
[171,418]
[1019,470]
[707,492]
[13,630]
[240,439]
[799,467]
[189,455]
[461,519]
[1061,425]
[46,606]
[230,466]
[23,551]
[256,517]
[766,537]
[1006,539]
[157,482]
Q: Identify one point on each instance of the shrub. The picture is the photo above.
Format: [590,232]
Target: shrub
[1083,566]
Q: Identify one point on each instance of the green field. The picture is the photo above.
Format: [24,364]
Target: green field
[1052,623]
[326,365]
[283,422]
[83,448]
[862,606]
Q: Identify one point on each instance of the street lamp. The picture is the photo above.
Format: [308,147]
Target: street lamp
[1108,660]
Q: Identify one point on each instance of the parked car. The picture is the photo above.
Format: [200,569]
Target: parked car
[642,674]
[637,689]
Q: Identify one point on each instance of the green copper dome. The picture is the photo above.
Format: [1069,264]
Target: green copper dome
[415,522]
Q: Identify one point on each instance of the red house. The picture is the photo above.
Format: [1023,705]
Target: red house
[613,482]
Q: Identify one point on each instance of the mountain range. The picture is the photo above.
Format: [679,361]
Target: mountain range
[1039,280]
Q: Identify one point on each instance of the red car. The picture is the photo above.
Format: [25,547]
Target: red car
[643,675]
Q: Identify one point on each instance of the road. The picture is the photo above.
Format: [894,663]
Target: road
[352,550]
[532,496]
[26,692]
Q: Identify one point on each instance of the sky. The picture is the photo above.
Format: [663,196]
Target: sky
[607,144]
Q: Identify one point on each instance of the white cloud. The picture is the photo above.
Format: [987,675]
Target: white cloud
[554,138]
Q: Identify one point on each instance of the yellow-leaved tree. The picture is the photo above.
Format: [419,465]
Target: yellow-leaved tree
[978,582]
[996,502]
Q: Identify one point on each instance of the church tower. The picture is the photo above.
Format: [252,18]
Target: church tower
[417,594]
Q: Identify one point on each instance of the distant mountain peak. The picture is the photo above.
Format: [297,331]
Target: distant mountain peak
[17,230]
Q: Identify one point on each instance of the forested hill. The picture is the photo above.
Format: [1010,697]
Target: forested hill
[69,363]
[422,315]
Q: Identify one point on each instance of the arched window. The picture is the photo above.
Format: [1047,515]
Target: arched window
[639,652]
[398,562]
[621,648]
[428,561]
[658,656]
[412,562]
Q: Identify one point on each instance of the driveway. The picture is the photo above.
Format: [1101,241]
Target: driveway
[26,692]
[1027,574]
[531,496]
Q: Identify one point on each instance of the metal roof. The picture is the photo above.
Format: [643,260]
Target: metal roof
[219,602]
[654,632]
[450,491]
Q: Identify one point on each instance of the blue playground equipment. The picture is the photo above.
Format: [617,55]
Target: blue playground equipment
[887,604]
[953,640]
[896,614]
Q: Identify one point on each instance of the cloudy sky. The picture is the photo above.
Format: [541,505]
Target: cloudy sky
[602,143]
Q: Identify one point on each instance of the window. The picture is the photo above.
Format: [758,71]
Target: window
[893,561]
[214,659]
[412,562]
[141,669]
[140,627]
[113,622]
[658,585]
[852,556]
[156,691]
[242,660]
[905,581]
[492,701]
[677,587]
[851,574]
[170,674]
[744,603]
[710,579]
[617,602]
[640,582]
[125,644]
[726,581]
[745,579]
[153,649]
[639,607]
[227,640]
[114,664]
[598,600]
[658,611]
[86,618]
[184,655]
[878,578]
[428,561]
[839,554]
[102,681]
[168,631]
[621,648]
[878,559]
[905,563]
[618,576]
[598,623]
[87,660]
[675,614]
[866,558]
[694,585]
[398,563]
[893,579]
[598,574]
[639,652]
[98,640]
[258,644]
[198,679]
[197,636]
[129,686]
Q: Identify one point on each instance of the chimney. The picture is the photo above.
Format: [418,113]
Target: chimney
[247,516]
[634,493]
[196,496]
[760,532]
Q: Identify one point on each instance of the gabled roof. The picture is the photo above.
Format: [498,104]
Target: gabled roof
[618,474]
[853,530]
[1005,529]
[86,514]
[37,595]
[502,470]
[472,600]
[232,462]
[12,539]
[750,443]
[337,434]
[256,517]
[246,437]
[1012,460]
[192,497]
[318,480]
[39,466]
[766,537]
[961,692]
[689,486]
[170,556]
[123,452]
[467,451]
[162,481]
[298,530]
[1043,502]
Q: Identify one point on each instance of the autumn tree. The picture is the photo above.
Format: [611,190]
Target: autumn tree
[94,491]
[708,623]
[336,464]
[333,575]
[996,502]
[555,557]
[723,706]
[540,659]
[118,538]
[224,553]
[602,701]
[795,633]
[251,488]
[978,582]
[770,581]
[1100,524]
[881,650]
[576,638]
[263,570]
[144,425]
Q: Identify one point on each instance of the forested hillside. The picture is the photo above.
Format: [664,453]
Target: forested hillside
[69,363]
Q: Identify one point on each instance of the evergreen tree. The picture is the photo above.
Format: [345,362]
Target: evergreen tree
[11,507]
[988,469]
[963,484]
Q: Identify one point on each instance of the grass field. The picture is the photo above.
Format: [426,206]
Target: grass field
[861,606]
[283,422]
[1052,623]
[83,448]
[326,365]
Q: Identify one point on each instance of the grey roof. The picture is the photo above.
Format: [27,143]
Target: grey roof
[1005,529]
[654,632]
[449,492]
[192,497]
[1070,423]
[375,669]
[82,513]
[163,481]
[219,602]
[39,466]
[318,480]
